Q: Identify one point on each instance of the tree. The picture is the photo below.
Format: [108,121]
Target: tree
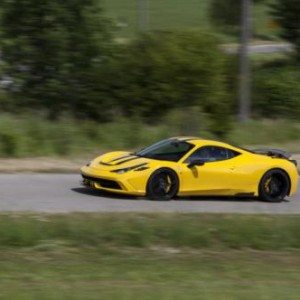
[162,71]
[287,14]
[276,91]
[226,14]
[52,50]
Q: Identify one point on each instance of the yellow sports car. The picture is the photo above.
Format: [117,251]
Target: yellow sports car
[193,166]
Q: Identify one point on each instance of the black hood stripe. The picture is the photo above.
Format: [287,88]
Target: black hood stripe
[126,160]
[125,156]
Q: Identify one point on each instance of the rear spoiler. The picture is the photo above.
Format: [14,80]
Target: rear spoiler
[276,153]
[273,152]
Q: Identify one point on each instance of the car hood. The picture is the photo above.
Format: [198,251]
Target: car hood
[118,160]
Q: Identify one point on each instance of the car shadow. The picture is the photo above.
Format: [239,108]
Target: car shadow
[98,193]
[228,199]
[218,198]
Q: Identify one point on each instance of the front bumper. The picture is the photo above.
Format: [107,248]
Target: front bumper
[115,183]
[101,182]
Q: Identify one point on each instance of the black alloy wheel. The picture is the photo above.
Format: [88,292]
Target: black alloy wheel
[274,186]
[163,184]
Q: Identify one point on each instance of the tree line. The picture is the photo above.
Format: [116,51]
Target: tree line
[61,57]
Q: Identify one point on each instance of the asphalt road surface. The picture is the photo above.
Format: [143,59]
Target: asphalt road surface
[62,193]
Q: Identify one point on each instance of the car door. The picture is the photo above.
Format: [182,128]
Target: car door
[216,176]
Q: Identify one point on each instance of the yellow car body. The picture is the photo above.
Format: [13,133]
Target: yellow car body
[235,176]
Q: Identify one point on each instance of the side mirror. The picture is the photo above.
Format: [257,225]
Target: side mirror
[196,162]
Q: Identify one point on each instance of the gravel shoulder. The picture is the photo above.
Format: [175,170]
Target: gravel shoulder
[41,165]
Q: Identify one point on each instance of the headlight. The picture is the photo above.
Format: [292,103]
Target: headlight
[139,167]
[121,171]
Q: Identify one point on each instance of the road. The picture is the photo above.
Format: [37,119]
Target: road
[62,193]
[263,48]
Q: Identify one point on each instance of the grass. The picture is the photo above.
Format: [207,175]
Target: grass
[163,15]
[147,256]
[181,15]
[86,274]
[33,136]
[196,231]
[29,136]
[277,133]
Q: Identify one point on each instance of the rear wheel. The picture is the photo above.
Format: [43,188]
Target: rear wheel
[163,184]
[274,186]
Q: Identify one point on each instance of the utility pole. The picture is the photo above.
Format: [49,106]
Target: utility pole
[143,15]
[245,72]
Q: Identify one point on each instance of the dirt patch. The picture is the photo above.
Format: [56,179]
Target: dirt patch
[41,164]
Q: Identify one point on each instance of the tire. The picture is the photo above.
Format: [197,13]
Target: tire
[163,184]
[274,186]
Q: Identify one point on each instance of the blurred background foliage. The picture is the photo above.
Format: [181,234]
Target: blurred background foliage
[77,74]
[52,50]
[226,15]
[287,14]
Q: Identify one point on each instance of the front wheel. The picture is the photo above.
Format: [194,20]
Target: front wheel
[163,184]
[274,186]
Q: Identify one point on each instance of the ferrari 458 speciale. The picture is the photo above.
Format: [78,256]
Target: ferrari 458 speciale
[189,166]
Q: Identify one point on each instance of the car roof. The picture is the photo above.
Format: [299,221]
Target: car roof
[197,141]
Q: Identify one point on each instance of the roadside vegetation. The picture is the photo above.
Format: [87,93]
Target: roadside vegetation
[72,273]
[191,15]
[76,81]
[147,256]
[113,230]
[73,89]
[34,136]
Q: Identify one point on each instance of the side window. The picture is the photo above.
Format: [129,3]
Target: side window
[213,153]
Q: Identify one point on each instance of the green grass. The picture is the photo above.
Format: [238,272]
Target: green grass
[181,15]
[147,256]
[278,133]
[163,15]
[32,136]
[65,273]
[105,231]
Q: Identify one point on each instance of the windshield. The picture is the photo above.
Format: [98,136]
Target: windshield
[170,150]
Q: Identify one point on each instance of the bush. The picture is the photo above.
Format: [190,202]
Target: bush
[162,71]
[52,50]
[226,14]
[277,92]
[8,144]
[286,13]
